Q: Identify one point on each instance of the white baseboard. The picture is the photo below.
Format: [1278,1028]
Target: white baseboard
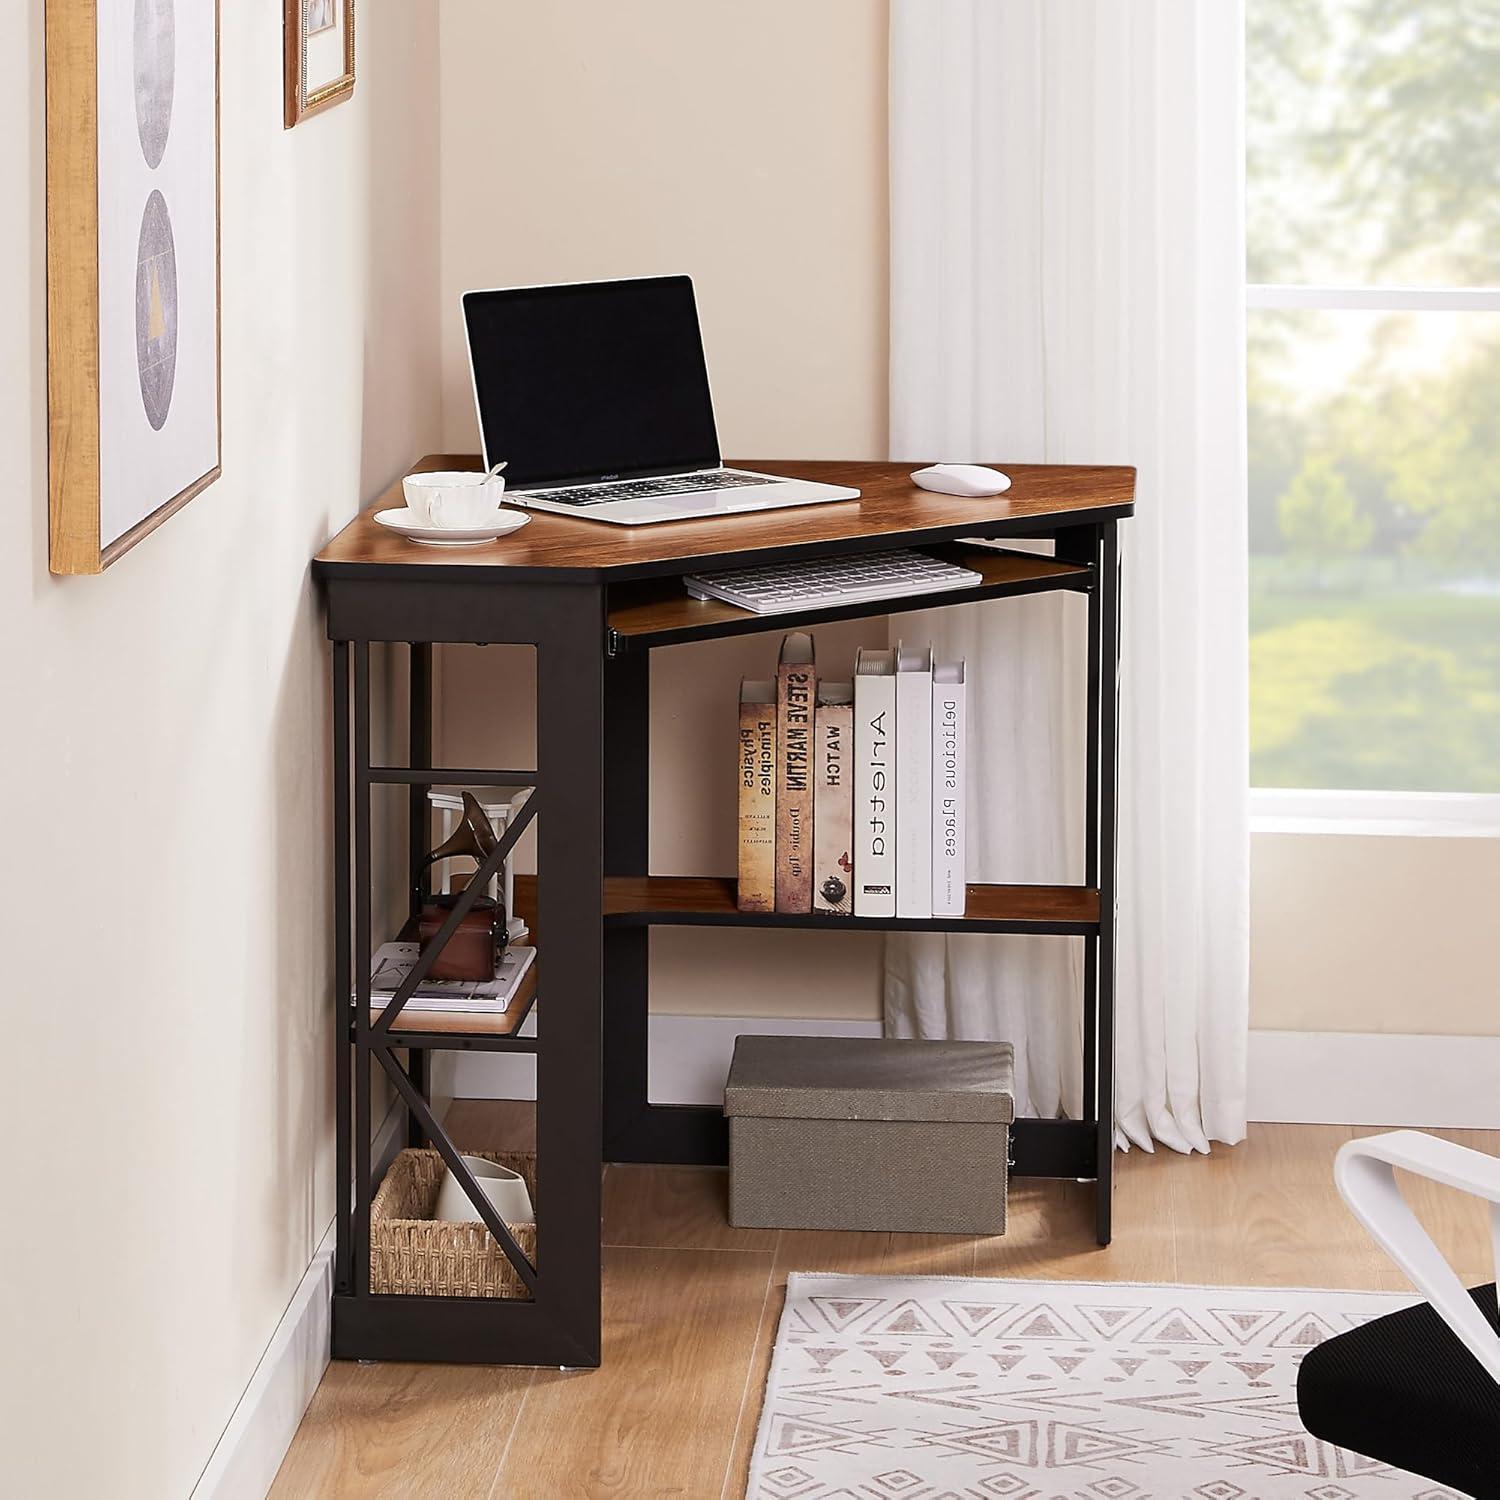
[1368,1078]
[1301,1077]
[250,1449]
[689,1058]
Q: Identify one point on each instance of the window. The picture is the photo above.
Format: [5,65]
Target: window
[1373,209]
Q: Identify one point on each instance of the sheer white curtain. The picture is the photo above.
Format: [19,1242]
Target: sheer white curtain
[1066,286]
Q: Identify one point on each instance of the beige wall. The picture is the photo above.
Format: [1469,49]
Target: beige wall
[168,1078]
[1370,932]
[746,146]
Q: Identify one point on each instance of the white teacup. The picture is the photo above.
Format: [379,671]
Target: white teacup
[504,1188]
[453,498]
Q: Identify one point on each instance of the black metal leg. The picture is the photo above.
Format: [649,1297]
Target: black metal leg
[341,966]
[360,1239]
[1091,1103]
[570,916]
[636,1130]
[419,737]
[417,1071]
[1109,602]
[627,851]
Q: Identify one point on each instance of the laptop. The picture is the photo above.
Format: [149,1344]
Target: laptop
[596,396]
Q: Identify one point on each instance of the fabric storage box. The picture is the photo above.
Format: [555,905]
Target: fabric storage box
[869,1133]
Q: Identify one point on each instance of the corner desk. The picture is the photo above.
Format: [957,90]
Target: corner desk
[593,599]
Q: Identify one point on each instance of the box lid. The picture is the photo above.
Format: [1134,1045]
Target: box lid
[871,1078]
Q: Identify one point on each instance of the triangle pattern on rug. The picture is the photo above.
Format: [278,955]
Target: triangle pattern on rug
[910,1317]
[1041,1322]
[1243,1323]
[1350,1465]
[822,1357]
[1068,1444]
[803,1435]
[1297,1452]
[1176,1326]
[1108,1322]
[842,1312]
[975,1317]
[1305,1331]
[1013,1442]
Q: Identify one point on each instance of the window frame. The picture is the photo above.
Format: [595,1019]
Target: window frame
[1330,809]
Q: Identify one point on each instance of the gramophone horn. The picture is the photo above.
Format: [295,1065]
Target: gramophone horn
[474,838]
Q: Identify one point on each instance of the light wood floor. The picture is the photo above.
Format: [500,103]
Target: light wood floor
[691,1307]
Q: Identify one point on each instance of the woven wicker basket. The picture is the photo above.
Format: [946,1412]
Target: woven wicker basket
[413,1254]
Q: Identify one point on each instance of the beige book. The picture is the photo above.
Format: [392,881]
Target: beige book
[833,799]
[796,684]
[757,835]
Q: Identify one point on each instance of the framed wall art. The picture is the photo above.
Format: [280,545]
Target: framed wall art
[132,269]
[319,55]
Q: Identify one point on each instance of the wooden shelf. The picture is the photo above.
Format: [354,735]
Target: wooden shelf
[416,1027]
[707,901]
[660,612]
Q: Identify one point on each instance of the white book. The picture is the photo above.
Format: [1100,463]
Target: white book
[950,770]
[874,783]
[913,782]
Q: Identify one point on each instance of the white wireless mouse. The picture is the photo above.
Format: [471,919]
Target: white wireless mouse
[967,480]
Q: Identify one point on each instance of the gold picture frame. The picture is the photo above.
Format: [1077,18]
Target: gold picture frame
[310,88]
[134,390]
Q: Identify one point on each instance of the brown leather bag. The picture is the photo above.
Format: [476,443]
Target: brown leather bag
[473,952]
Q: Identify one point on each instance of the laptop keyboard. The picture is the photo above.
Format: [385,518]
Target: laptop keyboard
[648,489]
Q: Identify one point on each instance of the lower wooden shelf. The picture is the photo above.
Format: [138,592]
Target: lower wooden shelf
[461,1028]
[709,901]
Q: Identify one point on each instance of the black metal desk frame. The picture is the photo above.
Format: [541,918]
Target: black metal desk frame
[592,816]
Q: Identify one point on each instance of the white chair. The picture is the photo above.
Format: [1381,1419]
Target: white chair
[1420,1388]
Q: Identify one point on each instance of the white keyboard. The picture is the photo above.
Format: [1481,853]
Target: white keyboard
[827,582]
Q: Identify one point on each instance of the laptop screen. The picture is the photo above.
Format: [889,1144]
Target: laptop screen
[593,381]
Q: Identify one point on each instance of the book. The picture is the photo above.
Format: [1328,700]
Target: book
[487,997]
[833,799]
[950,771]
[757,766]
[874,783]
[796,683]
[913,782]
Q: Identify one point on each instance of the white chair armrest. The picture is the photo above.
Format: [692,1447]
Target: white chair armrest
[1365,1171]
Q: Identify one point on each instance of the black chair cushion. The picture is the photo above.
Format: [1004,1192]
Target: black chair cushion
[1403,1390]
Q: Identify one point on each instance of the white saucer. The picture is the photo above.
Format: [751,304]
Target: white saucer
[413,530]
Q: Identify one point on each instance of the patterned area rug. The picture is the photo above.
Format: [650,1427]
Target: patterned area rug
[947,1388]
